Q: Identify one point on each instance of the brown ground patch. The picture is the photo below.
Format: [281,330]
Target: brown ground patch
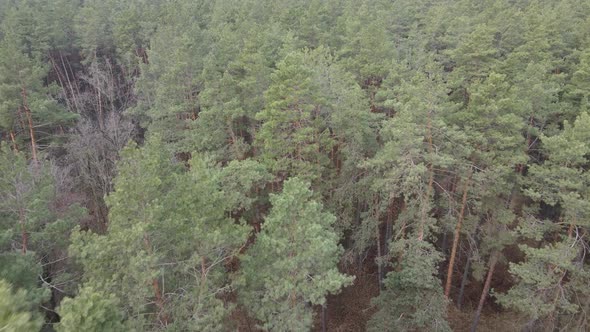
[490,321]
[350,310]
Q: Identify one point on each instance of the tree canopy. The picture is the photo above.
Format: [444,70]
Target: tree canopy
[383,165]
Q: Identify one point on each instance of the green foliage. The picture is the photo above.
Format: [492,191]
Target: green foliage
[22,272]
[413,122]
[541,291]
[293,262]
[32,231]
[241,181]
[169,86]
[168,203]
[551,276]
[294,138]
[90,311]
[237,72]
[15,315]
[413,297]
[563,178]
[366,42]
[417,141]
[123,266]
[114,27]
[22,90]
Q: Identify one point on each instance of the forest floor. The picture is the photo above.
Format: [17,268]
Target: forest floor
[350,310]
[491,321]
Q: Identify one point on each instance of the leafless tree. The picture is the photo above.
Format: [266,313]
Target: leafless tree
[86,166]
[90,161]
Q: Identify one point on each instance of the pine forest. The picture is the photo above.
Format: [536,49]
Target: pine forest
[294,165]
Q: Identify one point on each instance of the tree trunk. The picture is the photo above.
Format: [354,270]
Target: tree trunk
[456,237]
[73,81]
[203,281]
[379,268]
[159,301]
[67,76]
[388,227]
[30,121]
[358,211]
[324,318]
[426,203]
[32,134]
[464,281]
[486,289]
[100,115]
[582,323]
[14,145]
[62,84]
[570,231]
[23,230]
[378,237]
[425,206]
[162,315]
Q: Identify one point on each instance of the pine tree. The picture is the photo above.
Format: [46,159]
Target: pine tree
[34,233]
[413,297]
[90,311]
[415,140]
[293,263]
[294,138]
[577,90]
[406,168]
[118,30]
[235,87]
[212,240]
[169,203]
[366,44]
[27,104]
[487,153]
[552,275]
[170,83]
[124,261]
[354,129]
[15,315]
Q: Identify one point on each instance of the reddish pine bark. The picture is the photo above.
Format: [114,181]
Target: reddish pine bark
[456,237]
[486,290]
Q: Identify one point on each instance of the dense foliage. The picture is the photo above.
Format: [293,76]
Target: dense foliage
[268,165]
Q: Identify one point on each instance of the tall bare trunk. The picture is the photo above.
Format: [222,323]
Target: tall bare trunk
[359,207]
[456,236]
[100,112]
[159,300]
[23,230]
[570,230]
[486,290]
[31,134]
[203,281]
[464,281]
[30,123]
[378,238]
[67,76]
[379,254]
[61,81]
[426,203]
[324,318]
[388,226]
[73,81]
[14,145]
